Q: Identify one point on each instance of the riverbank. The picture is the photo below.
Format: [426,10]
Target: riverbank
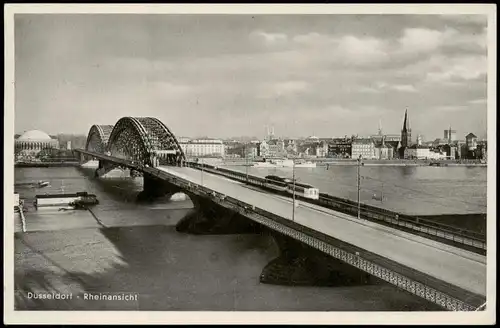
[402,164]
[47,164]
[350,162]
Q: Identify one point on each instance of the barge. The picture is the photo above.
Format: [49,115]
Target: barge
[76,200]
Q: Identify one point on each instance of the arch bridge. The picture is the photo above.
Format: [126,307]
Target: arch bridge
[145,141]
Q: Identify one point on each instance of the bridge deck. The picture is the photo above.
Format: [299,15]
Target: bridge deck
[461,268]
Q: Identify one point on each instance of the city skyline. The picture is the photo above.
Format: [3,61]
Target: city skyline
[224,76]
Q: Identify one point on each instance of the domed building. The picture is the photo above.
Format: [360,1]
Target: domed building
[30,143]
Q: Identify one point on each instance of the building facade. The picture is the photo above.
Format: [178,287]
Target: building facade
[482,150]
[340,147]
[450,150]
[417,152]
[471,141]
[29,146]
[203,148]
[363,147]
[290,146]
[237,150]
[383,151]
[322,149]
[276,148]
[263,149]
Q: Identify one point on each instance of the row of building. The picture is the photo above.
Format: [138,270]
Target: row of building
[379,146]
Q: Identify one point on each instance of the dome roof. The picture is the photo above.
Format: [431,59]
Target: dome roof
[34,135]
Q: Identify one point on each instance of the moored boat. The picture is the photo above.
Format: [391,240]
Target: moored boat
[305,164]
[77,200]
[42,184]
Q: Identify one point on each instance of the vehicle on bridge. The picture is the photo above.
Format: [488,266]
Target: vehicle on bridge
[304,190]
[277,183]
[285,184]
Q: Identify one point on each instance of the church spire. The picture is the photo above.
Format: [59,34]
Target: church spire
[406,123]
[406,131]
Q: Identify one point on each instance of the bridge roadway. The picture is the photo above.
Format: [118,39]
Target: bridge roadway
[443,268]
[458,267]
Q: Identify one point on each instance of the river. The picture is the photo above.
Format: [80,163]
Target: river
[413,190]
[135,249]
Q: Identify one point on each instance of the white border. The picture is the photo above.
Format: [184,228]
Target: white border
[155,317]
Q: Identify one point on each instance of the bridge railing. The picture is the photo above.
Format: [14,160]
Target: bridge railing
[372,213]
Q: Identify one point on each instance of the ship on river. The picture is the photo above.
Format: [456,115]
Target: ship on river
[76,201]
[273,163]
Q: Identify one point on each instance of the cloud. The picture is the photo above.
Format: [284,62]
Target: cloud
[459,68]
[381,86]
[312,38]
[450,108]
[362,51]
[404,88]
[364,89]
[286,88]
[269,38]
[420,40]
[480,101]
[466,19]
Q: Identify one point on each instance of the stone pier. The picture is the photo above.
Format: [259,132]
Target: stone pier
[210,218]
[154,188]
[301,265]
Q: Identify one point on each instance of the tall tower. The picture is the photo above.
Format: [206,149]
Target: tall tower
[379,127]
[406,131]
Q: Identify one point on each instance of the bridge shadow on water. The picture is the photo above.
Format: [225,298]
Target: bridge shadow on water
[170,271]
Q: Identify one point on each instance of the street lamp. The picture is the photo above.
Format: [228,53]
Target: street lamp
[359,188]
[246,160]
[201,171]
[293,190]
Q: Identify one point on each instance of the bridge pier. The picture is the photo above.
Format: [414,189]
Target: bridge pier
[103,168]
[301,265]
[210,218]
[154,188]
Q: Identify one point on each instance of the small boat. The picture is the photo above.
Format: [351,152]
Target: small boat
[42,184]
[264,164]
[305,164]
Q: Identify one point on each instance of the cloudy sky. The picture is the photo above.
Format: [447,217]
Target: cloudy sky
[231,75]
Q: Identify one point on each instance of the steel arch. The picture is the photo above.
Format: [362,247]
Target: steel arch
[163,140]
[146,140]
[97,139]
[129,140]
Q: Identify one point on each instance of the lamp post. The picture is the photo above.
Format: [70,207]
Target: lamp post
[202,171]
[293,190]
[359,188]
[246,161]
